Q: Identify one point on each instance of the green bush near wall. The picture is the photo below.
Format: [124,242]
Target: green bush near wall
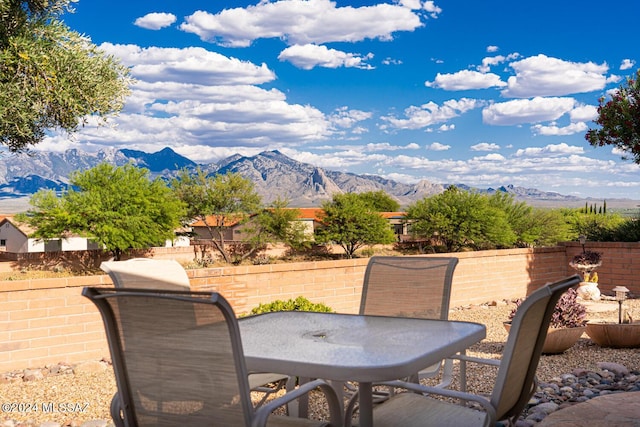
[299,304]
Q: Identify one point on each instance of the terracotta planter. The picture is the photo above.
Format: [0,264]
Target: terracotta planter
[625,335]
[558,339]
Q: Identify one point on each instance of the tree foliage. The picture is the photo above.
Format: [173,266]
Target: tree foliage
[351,221]
[118,207]
[278,223]
[458,219]
[619,120]
[218,202]
[380,201]
[594,226]
[532,226]
[50,76]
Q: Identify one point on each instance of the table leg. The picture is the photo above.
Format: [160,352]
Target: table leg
[366,404]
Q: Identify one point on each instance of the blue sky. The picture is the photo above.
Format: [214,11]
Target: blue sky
[483,93]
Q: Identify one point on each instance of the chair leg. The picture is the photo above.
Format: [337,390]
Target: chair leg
[463,373]
[447,374]
[116,411]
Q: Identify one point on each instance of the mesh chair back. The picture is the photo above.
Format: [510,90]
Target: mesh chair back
[515,382]
[408,286]
[170,371]
[145,273]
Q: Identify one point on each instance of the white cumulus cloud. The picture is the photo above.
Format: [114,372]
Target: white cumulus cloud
[583,113]
[155,21]
[432,9]
[627,63]
[554,130]
[436,146]
[310,55]
[526,111]
[465,80]
[485,146]
[549,150]
[542,75]
[431,113]
[345,118]
[188,65]
[301,22]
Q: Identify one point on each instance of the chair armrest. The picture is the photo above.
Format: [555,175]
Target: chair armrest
[335,413]
[465,358]
[446,392]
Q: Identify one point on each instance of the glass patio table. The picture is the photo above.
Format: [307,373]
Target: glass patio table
[347,347]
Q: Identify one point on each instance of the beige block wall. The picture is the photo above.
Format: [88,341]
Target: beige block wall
[48,321]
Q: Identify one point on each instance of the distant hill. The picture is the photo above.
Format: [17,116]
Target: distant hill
[274,175]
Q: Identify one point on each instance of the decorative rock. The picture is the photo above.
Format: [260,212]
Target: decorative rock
[33,374]
[616,368]
[580,386]
[546,408]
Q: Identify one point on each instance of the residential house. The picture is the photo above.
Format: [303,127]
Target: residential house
[310,217]
[232,226]
[14,238]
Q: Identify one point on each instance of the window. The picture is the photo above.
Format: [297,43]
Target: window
[3,242]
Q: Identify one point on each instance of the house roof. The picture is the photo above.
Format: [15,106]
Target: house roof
[217,220]
[390,215]
[310,213]
[20,226]
[314,214]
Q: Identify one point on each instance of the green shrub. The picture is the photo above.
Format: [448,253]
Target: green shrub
[367,252]
[299,304]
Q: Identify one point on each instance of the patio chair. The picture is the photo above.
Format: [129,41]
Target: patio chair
[170,372]
[411,286]
[147,273]
[515,381]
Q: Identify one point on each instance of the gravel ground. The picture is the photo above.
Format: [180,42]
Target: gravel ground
[72,399]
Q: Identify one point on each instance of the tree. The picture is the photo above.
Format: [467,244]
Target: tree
[218,202]
[278,223]
[50,76]
[350,221]
[460,219]
[118,207]
[619,120]
[380,201]
[596,227]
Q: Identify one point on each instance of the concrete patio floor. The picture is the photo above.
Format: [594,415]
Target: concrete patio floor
[612,410]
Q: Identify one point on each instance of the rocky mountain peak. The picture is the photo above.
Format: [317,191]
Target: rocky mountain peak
[274,175]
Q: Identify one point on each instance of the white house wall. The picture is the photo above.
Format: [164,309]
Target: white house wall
[34,245]
[15,240]
[179,241]
[74,244]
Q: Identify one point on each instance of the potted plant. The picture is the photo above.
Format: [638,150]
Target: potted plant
[586,264]
[567,325]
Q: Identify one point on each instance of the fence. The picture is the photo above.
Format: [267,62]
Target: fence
[47,320]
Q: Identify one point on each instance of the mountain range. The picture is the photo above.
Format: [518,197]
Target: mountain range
[273,174]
